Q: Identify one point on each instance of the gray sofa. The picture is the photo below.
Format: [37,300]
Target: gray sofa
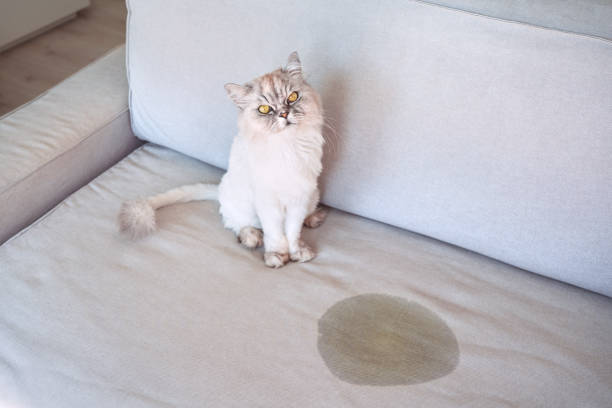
[466,261]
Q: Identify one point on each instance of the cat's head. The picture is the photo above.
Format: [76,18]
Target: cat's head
[279,100]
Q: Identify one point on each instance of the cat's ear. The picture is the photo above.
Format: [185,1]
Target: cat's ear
[294,66]
[238,94]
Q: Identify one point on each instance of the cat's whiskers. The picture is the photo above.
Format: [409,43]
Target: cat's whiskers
[330,136]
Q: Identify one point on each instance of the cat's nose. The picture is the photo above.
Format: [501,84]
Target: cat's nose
[284,114]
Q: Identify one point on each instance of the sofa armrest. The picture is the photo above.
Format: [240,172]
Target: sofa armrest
[61,140]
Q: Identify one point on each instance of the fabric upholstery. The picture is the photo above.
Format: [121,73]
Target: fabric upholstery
[189,318]
[491,135]
[590,17]
[58,142]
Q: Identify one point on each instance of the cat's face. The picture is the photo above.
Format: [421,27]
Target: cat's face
[277,101]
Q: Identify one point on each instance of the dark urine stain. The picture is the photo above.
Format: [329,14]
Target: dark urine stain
[376,339]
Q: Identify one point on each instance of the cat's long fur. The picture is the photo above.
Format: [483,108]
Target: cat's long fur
[274,164]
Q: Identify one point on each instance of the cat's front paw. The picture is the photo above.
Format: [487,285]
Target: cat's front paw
[304,253]
[275,259]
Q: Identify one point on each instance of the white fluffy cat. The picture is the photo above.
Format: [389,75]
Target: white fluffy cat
[271,181]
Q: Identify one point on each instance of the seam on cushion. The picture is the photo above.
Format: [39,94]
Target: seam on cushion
[128,41]
[46,91]
[52,210]
[57,156]
[474,13]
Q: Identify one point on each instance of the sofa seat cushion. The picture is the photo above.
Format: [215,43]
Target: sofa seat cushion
[187,317]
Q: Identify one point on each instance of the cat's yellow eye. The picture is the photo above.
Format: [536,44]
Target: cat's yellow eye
[293,96]
[265,109]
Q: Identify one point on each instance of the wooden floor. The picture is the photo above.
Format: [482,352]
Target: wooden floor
[34,66]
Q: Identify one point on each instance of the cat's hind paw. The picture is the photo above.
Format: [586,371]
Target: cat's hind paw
[251,237]
[317,218]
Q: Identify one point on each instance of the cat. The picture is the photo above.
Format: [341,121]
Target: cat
[274,165]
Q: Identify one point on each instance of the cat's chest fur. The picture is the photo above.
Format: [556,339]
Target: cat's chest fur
[286,161]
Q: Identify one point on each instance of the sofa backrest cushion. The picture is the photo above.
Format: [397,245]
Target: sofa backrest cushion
[590,17]
[490,135]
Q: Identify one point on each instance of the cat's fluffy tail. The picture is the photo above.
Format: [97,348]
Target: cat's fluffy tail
[137,217]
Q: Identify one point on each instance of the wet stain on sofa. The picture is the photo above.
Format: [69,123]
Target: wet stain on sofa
[377,339]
